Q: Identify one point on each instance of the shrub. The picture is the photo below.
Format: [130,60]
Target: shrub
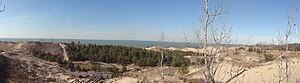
[49,57]
[257,50]
[70,65]
[251,49]
[269,57]
[112,69]
[183,70]
[201,61]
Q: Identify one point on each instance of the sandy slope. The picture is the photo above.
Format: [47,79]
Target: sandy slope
[269,73]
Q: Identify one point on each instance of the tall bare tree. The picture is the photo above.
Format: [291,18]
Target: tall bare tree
[284,68]
[161,39]
[291,23]
[220,35]
[209,19]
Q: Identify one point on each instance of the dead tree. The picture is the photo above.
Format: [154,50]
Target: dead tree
[283,64]
[288,29]
[284,71]
[209,19]
[3,6]
[161,41]
[220,36]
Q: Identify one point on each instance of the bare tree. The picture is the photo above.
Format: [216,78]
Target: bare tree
[3,6]
[296,31]
[161,41]
[209,19]
[284,63]
[220,36]
[290,21]
[292,12]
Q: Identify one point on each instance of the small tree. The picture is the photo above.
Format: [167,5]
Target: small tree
[183,70]
[161,40]
[284,68]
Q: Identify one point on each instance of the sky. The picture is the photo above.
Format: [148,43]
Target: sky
[137,19]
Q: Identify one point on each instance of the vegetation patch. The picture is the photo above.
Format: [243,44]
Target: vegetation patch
[257,50]
[54,58]
[269,57]
[125,55]
[49,57]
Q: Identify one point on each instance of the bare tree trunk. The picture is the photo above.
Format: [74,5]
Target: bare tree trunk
[287,33]
[207,70]
[291,22]
[287,71]
[206,24]
[284,69]
[161,40]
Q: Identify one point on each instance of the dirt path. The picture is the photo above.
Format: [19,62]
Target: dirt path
[66,58]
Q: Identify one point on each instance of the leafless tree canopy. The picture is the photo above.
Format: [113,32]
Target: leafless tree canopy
[3,6]
[284,63]
[215,30]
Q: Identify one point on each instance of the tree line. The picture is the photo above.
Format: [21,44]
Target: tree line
[125,55]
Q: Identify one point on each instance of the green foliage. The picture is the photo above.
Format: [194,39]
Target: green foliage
[183,70]
[201,61]
[269,57]
[124,55]
[112,69]
[49,57]
[70,65]
[94,68]
[257,50]
[180,61]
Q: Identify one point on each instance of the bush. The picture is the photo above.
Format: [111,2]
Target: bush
[70,65]
[183,70]
[201,61]
[257,50]
[180,61]
[269,57]
[250,49]
[112,69]
[49,57]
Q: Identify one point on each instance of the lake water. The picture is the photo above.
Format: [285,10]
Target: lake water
[133,43]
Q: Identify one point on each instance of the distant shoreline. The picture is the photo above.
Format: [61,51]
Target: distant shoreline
[130,43]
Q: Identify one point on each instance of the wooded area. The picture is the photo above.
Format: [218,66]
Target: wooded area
[125,55]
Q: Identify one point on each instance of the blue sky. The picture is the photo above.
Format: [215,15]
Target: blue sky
[135,19]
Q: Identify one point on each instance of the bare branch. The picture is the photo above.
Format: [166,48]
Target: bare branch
[236,75]
[3,7]
[161,39]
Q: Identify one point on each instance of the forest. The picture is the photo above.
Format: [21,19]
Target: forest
[125,55]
